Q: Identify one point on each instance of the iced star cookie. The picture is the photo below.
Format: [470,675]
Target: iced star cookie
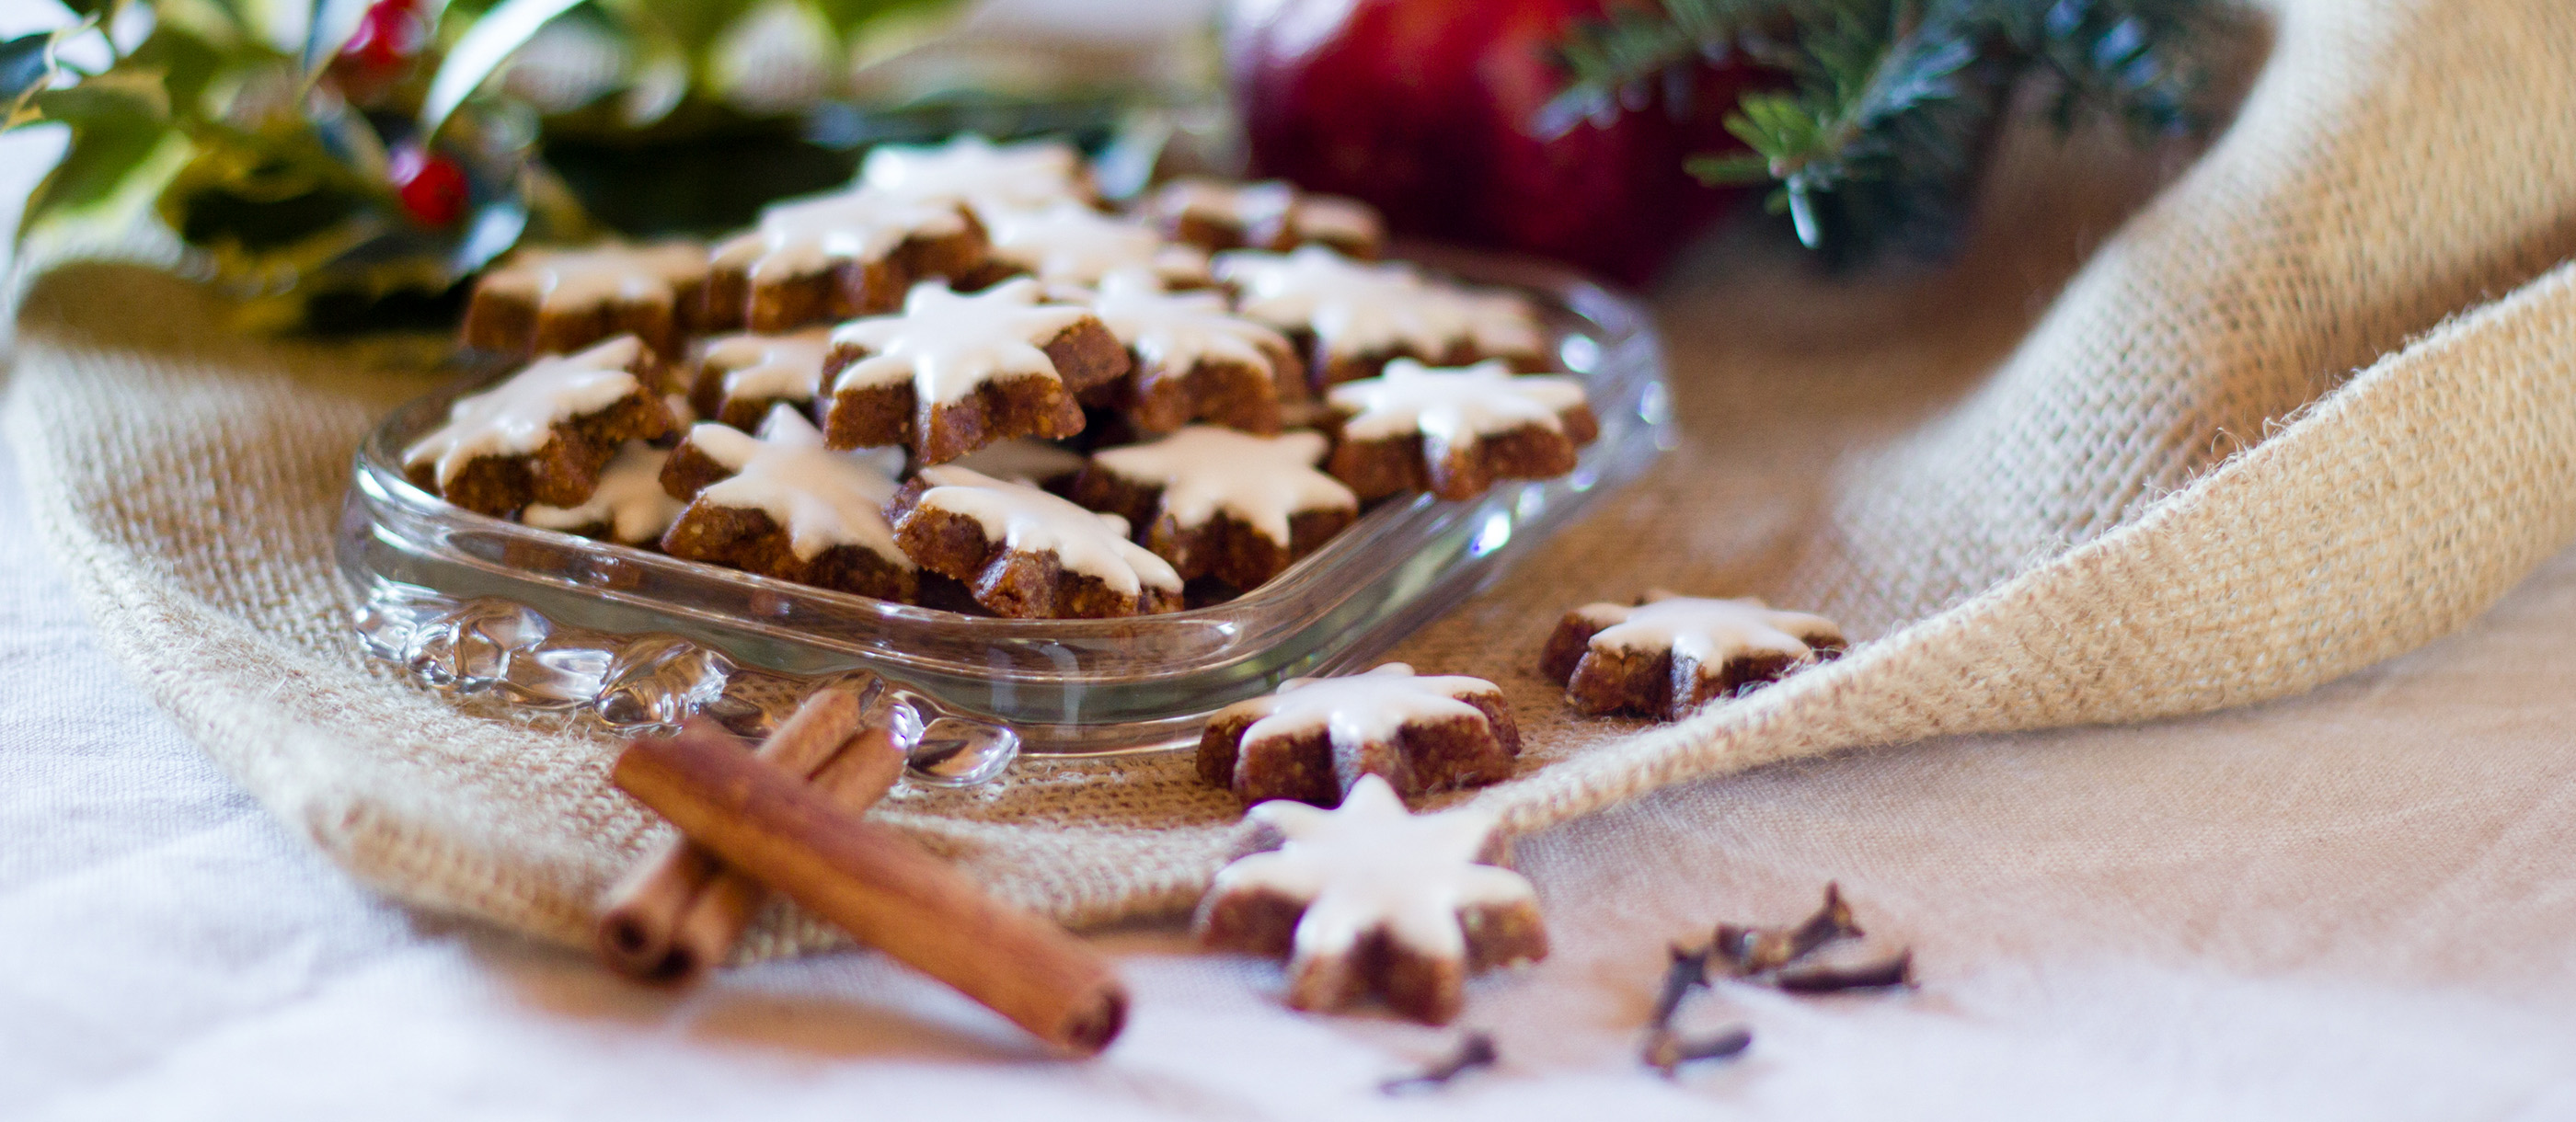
[830,257]
[1194,359]
[1454,431]
[1219,503]
[741,377]
[988,177]
[1316,737]
[1368,899]
[783,505]
[1354,316]
[1217,215]
[629,506]
[1026,553]
[954,372]
[1671,654]
[553,301]
[1070,245]
[543,434]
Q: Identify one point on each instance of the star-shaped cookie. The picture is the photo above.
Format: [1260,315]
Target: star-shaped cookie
[1367,899]
[628,506]
[783,505]
[1315,738]
[956,371]
[1671,654]
[1026,553]
[1454,431]
[554,300]
[1221,503]
[543,434]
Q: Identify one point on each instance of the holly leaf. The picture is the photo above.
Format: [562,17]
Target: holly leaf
[27,68]
[494,37]
[114,132]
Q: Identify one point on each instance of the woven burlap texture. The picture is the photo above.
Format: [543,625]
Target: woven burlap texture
[2173,493]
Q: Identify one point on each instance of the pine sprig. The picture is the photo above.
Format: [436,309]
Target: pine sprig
[1874,123]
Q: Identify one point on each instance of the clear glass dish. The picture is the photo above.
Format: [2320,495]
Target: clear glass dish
[547,621]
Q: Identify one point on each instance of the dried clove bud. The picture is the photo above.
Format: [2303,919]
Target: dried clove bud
[1667,1052]
[1476,1051]
[1884,974]
[1689,970]
[1760,950]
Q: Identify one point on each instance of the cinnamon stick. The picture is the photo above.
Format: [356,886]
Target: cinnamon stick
[679,912]
[879,885]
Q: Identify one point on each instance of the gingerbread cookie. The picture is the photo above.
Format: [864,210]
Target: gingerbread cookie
[1315,737]
[1453,432]
[552,301]
[1220,503]
[955,372]
[1354,316]
[629,506]
[1370,899]
[989,177]
[1671,654]
[543,434]
[783,505]
[1070,245]
[1026,553]
[831,257]
[1194,360]
[741,377]
[1272,214]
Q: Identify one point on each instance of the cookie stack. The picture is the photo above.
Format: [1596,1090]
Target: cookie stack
[967,368]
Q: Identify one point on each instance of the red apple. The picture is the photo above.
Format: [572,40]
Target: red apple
[1429,109]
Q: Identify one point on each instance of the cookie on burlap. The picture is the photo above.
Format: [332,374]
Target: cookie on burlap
[552,301]
[954,371]
[1454,431]
[1368,899]
[1070,245]
[629,506]
[1671,654]
[831,257]
[783,505]
[1273,214]
[989,177]
[1219,503]
[1028,554]
[1315,737]
[1351,317]
[742,377]
[1194,360]
[543,434]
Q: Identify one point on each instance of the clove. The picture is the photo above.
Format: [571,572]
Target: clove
[1884,974]
[1476,1051]
[1689,971]
[1749,951]
[1667,1052]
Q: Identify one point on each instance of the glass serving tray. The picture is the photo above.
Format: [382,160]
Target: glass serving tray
[635,640]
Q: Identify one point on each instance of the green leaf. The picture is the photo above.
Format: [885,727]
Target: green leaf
[114,99]
[491,41]
[1731,169]
[107,147]
[332,24]
[186,65]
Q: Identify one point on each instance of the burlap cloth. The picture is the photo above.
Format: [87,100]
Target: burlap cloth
[2310,403]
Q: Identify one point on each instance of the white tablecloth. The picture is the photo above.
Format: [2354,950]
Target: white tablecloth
[2359,904]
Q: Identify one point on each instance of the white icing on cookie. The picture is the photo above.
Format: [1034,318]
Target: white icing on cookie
[1021,460]
[630,500]
[970,169]
[1029,520]
[1071,244]
[1360,308]
[1707,631]
[1368,866]
[1174,331]
[1357,709]
[765,366]
[1450,405]
[518,416]
[573,280]
[823,498]
[1261,480]
[1269,205]
[947,344]
[803,237]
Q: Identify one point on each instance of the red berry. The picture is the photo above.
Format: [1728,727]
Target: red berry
[389,36]
[1428,108]
[431,186]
